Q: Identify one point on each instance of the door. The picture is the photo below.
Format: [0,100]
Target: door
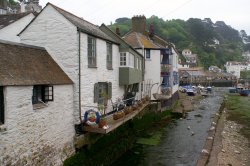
[1,106]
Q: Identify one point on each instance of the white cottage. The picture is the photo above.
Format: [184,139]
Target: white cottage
[36,107]
[12,24]
[89,56]
[161,59]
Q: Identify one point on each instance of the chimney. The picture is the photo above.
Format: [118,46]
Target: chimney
[151,31]
[117,31]
[139,24]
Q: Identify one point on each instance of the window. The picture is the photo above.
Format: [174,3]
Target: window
[102,92]
[1,106]
[148,54]
[91,52]
[42,94]
[123,59]
[131,60]
[109,56]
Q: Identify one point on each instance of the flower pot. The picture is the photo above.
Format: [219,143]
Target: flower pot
[118,115]
[102,123]
[127,110]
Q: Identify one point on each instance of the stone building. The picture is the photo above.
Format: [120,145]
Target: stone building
[36,107]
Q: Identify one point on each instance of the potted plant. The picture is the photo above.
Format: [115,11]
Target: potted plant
[118,115]
[102,122]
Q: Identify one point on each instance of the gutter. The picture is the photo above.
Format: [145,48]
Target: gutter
[79,65]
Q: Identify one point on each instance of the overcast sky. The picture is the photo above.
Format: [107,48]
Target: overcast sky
[233,12]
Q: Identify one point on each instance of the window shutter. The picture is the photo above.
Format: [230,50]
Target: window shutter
[110,90]
[96,92]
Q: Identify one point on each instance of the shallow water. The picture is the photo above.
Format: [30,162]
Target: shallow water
[182,140]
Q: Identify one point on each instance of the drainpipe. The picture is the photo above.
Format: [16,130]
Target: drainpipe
[79,83]
[143,69]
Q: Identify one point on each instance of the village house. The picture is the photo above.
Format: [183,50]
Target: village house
[161,59]
[36,107]
[193,76]
[94,60]
[131,67]
[191,58]
[12,24]
[235,68]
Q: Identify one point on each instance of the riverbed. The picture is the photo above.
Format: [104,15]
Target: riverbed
[181,140]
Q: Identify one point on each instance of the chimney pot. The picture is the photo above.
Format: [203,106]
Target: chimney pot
[139,24]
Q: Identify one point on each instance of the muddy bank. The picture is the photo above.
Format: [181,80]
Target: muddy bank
[231,143]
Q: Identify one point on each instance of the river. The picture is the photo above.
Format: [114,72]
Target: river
[182,140]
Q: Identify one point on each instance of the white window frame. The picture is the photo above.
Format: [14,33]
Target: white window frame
[123,59]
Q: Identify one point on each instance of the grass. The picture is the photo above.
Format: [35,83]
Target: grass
[239,111]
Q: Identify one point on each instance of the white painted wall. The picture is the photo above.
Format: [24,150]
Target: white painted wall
[36,137]
[235,68]
[59,36]
[153,70]
[11,31]
[90,76]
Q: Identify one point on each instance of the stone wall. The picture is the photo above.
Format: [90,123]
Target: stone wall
[36,137]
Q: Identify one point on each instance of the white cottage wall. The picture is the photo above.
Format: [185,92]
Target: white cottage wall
[60,38]
[11,31]
[37,137]
[153,70]
[90,76]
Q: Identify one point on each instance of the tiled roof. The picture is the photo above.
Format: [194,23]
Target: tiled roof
[28,65]
[8,19]
[83,25]
[138,40]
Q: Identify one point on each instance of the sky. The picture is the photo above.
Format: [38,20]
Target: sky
[235,13]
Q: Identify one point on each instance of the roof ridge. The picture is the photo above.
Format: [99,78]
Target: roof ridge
[70,13]
[21,45]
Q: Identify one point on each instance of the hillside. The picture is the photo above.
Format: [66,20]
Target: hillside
[199,36]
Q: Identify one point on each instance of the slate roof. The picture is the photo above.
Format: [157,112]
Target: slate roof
[8,19]
[116,37]
[22,64]
[81,24]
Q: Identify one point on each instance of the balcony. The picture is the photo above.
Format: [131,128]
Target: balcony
[128,75]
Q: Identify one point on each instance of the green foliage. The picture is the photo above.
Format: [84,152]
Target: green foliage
[239,111]
[198,36]
[245,74]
